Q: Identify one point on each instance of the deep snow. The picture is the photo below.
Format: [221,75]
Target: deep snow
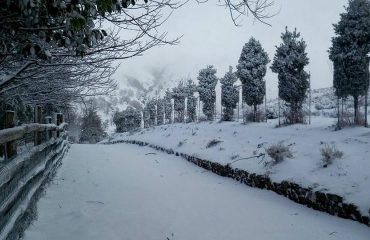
[348,177]
[128,192]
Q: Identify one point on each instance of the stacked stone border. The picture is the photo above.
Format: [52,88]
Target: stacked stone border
[324,202]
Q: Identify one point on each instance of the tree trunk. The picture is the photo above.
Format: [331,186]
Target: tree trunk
[366,96]
[255,112]
[355,104]
[338,124]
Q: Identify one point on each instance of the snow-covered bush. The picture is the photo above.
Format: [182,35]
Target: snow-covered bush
[329,153]
[278,152]
[252,116]
[207,93]
[91,128]
[213,142]
[127,120]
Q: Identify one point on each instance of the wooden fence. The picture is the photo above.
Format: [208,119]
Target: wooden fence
[22,174]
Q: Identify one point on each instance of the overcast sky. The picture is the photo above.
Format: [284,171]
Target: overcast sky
[211,38]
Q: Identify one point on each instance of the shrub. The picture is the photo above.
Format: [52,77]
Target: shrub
[278,152]
[329,153]
[213,143]
[258,116]
[127,120]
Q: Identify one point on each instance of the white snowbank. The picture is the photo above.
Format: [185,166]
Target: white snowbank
[348,177]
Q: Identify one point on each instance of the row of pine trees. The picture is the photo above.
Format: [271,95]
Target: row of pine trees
[349,54]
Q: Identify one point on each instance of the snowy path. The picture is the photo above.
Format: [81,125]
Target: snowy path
[120,192]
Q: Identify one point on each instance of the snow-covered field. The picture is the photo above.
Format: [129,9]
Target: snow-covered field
[121,191]
[348,177]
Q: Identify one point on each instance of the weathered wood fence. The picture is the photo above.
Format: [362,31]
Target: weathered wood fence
[22,174]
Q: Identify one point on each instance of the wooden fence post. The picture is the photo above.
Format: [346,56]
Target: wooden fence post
[49,132]
[38,119]
[59,120]
[10,147]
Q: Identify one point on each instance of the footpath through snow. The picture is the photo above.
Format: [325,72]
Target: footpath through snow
[348,177]
[121,191]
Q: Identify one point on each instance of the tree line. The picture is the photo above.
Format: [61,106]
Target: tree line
[59,52]
[349,53]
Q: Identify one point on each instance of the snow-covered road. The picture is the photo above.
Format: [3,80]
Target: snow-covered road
[123,192]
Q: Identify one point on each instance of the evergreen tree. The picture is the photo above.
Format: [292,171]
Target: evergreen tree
[178,95]
[91,128]
[127,120]
[229,95]
[150,112]
[349,52]
[190,88]
[251,70]
[168,105]
[207,93]
[160,111]
[289,62]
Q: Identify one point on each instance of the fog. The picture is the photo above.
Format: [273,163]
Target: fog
[211,38]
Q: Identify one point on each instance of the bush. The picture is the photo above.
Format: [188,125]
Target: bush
[91,128]
[329,153]
[278,152]
[213,143]
[260,116]
[127,120]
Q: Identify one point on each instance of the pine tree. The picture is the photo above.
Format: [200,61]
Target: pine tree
[168,105]
[150,108]
[252,69]
[289,63]
[190,88]
[207,93]
[160,111]
[178,95]
[229,95]
[349,52]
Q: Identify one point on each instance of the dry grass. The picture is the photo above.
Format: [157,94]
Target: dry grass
[279,152]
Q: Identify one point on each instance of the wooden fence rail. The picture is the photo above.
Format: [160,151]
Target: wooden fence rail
[12,134]
[42,131]
[23,174]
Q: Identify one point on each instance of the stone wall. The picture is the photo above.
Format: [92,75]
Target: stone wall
[325,202]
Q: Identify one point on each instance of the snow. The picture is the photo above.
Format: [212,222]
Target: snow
[348,177]
[128,192]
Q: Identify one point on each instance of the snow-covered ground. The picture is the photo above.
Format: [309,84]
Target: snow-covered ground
[348,177]
[128,192]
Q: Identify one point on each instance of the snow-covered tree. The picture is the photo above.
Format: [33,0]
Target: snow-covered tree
[350,50]
[127,120]
[150,112]
[168,105]
[160,111]
[178,95]
[207,82]
[91,128]
[251,70]
[289,63]
[190,89]
[229,95]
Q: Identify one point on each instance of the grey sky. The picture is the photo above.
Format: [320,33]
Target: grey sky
[210,38]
